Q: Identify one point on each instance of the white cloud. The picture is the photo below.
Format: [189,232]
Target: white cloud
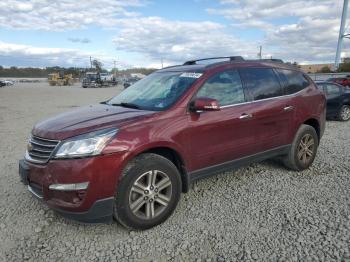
[28,55]
[312,37]
[294,30]
[269,9]
[31,56]
[64,14]
[176,41]
[79,40]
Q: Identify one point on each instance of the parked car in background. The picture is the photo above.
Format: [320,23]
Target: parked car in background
[2,83]
[9,82]
[131,157]
[96,79]
[130,81]
[344,81]
[338,100]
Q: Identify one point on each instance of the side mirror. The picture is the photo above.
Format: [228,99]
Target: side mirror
[204,104]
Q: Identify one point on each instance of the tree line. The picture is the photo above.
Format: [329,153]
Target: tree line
[75,71]
[343,67]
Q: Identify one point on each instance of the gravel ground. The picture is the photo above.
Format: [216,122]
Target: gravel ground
[261,212]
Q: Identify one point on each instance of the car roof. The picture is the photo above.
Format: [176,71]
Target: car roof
[241,63]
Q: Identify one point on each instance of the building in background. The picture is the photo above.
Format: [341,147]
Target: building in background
[346,60]
[316,68]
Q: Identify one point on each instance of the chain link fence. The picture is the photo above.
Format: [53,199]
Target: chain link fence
[325,76]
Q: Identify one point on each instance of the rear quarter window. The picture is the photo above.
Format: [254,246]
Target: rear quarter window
[294,81]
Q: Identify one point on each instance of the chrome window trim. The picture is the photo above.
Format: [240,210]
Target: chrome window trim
[265,99]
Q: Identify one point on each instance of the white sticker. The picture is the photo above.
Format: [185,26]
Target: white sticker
[191,75]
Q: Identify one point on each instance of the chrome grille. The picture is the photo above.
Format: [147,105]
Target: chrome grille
[40,149]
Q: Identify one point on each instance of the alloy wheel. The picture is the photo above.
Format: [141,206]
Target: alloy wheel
[150,194]
[306,149]
[345,113]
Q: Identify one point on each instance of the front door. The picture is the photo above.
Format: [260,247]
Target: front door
[216,137]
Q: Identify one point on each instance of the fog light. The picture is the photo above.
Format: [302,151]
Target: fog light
[69,187]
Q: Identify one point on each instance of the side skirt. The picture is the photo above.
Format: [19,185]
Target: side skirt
[237,163]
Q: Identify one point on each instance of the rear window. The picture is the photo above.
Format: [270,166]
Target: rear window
[261,83]
[332,89]
[294,81]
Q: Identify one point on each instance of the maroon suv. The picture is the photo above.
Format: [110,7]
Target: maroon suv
[131,156]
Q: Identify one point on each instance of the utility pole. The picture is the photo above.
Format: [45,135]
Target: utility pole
[90,63]
[260,53]
[342,34]
[115,71]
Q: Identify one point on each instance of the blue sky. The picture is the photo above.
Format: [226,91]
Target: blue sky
[142,32]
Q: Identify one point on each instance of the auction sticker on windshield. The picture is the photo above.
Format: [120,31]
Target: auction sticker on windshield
[191,75]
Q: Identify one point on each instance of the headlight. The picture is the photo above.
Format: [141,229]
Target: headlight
[90,144]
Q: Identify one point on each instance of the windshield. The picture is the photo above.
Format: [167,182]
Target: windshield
[91,77]
[157,91]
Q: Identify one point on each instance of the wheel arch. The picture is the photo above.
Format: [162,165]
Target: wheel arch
[316,125]
[172,155]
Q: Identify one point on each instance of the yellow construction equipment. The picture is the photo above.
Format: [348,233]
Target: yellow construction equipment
[60,79]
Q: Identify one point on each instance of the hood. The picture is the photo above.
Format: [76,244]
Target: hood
[86,119]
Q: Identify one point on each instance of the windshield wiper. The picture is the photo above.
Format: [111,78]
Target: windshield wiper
[128,105]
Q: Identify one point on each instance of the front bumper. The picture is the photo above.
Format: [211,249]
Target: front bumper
[100,212]
[95,204]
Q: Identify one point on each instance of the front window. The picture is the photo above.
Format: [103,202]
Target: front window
[157,91]
[226,87]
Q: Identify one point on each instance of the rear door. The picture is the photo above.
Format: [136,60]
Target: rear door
[272,111]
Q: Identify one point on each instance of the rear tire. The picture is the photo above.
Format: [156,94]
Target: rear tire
[344,113]
[148,192]
[303,150]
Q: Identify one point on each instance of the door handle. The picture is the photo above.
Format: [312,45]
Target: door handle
[288,108]
[246,116]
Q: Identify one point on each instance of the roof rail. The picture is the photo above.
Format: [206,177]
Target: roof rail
[171,66]
[269,60]
[232,58]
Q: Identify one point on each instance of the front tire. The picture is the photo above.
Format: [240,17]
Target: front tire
[148,192]
[303,150]
[344,113]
